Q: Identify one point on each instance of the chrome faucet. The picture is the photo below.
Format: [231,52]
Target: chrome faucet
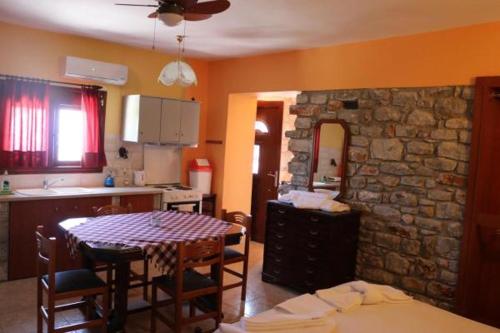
[46,183]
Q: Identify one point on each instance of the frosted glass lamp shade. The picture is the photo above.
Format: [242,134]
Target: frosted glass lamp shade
[178,72]
[171,19]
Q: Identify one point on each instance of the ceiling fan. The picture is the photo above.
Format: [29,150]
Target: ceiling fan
[172,12]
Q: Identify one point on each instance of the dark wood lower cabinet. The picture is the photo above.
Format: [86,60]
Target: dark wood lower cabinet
[139,203]
[309,249]
[26,215]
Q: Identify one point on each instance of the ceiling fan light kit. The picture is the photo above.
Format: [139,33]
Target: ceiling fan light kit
[170,19]
[172,12]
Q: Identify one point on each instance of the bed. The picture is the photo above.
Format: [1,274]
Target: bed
[414,317]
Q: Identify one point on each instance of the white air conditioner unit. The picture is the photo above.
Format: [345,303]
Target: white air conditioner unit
[99,71]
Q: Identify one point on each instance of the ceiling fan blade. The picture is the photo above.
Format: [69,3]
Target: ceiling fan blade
[196,17]
[153,15]
[134,5]
[186,4]
[209,7]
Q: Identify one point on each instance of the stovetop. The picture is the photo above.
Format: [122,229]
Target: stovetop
[173,187]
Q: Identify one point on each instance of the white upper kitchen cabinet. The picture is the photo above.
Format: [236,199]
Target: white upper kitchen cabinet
[141,119]
[190,123]
[160,120]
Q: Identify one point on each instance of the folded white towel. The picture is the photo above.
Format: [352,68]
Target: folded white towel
[371,294]
[342,300]
[305,304]
[275,321]
[334,206]
[393,295]
[230,328]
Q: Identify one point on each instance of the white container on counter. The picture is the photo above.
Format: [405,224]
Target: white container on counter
[200,175]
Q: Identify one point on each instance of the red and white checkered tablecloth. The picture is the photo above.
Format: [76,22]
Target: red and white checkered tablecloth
[136,230]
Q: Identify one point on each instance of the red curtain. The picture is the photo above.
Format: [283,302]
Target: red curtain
[93,143]
[24,124]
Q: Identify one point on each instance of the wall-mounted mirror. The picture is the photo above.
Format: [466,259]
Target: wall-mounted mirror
[329,157]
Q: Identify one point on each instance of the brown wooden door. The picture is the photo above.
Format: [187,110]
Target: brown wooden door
[479,288]
[266,177]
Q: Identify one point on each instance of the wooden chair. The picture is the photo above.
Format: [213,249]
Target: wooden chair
[187,285]
[232,256]
[140,280]
[63,285]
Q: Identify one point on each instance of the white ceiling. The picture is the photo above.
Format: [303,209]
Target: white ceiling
[252,26]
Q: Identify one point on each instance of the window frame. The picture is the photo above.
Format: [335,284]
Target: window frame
[63,97]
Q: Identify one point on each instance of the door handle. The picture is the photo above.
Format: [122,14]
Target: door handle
[276,178]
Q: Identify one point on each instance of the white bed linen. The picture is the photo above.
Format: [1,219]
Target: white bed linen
[414,317]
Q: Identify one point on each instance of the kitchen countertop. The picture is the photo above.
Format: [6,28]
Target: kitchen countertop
[66,192]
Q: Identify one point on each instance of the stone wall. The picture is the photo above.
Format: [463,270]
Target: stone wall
[407,168]
[4,239]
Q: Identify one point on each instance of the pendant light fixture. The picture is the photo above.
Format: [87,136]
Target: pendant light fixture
[178,72]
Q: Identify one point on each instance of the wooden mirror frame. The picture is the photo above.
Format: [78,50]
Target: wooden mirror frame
[347,136]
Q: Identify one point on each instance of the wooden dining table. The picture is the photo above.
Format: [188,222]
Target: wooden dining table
[121,257]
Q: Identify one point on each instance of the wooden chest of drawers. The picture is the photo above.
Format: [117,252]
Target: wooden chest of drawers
[309,249]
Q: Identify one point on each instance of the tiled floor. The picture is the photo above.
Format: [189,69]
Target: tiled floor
[18,303]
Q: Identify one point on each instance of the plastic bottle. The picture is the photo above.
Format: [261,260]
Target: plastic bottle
[5,183]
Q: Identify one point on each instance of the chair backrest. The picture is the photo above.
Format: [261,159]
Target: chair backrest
[240,218]
[200,254]
[46,255]
[111,210]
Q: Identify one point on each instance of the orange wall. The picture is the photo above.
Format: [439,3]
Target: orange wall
[38,53]
[453,56]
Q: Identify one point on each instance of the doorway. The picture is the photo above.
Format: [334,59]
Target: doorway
[266,162]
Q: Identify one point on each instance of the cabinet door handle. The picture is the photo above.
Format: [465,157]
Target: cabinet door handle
[278,260]
[280,236]
[280,223]
[276,271]
[56,209]
[181,134]
[278,247]
[75,207]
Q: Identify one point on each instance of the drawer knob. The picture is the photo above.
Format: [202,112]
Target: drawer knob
[310,271]
[278,247]
[314,219]
[312,245]
[278,260]
[280,223]
[313,232]
[311,258]
[281,211]
[280,236]
[276,271]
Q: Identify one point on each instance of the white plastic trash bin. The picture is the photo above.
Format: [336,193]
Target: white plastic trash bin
[200,175]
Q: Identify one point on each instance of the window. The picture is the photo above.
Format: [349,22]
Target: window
[50,129]
[69,135]
[256,159]
[260,126]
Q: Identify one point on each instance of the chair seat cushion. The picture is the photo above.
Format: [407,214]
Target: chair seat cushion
[230,253]
[78,279]
[192,281]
